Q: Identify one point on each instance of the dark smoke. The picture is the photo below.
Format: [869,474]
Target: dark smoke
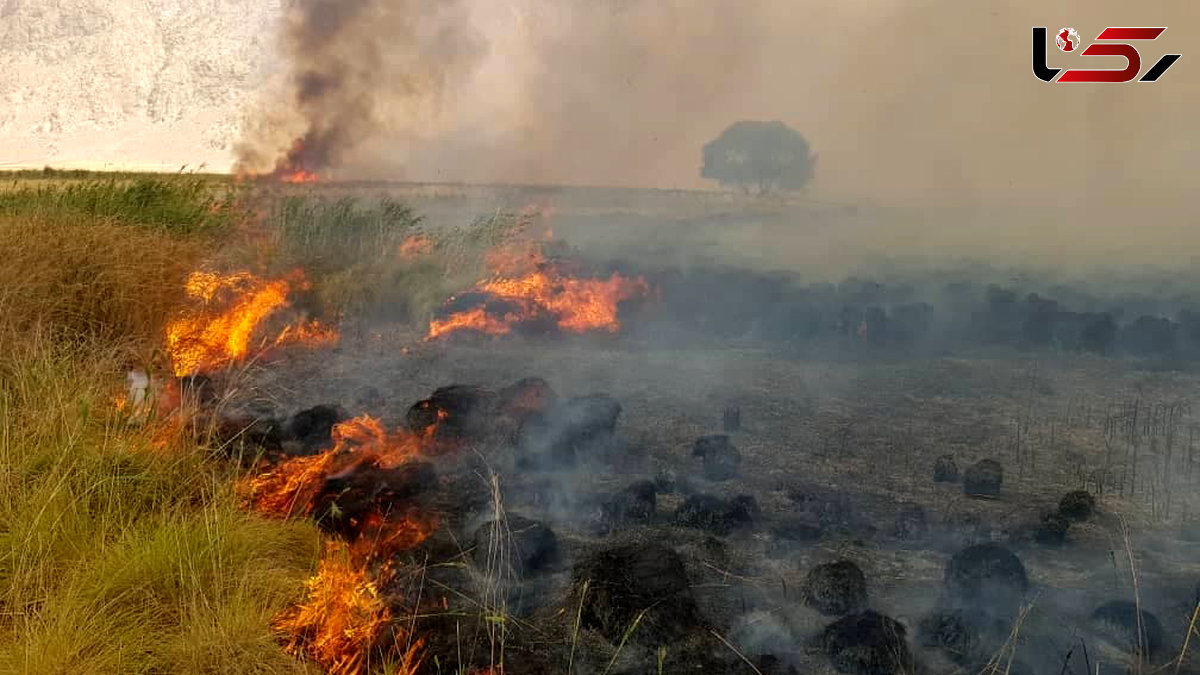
[354,67]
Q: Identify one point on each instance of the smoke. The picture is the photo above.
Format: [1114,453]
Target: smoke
[354,69]
[926,105]
[921,103]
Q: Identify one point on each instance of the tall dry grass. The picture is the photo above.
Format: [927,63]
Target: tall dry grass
[90,280]
[121,550]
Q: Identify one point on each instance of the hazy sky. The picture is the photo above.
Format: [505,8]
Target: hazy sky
[919,102]
[922,102]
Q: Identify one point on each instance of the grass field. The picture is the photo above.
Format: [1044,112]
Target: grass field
[121,549]
[124,547]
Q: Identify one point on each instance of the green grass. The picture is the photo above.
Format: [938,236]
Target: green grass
[51,173]
[331,234]
[182,205]
[354,252]
[122,546]
[117,555]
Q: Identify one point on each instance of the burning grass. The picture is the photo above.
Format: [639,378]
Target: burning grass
[343,620]
[375,261]
[123,545]
[227,312]
[525,288]
[116,556]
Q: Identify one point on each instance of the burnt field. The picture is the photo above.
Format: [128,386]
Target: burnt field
[627,447]
[536,430]
[755,467]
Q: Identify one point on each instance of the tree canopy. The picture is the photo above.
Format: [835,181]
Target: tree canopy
[762,155]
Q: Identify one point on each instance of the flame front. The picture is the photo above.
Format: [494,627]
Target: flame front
[472,319]
[344,619]
[579,304]
[228,311]
[292,167]
[289,488]
[299,176]
[574,304]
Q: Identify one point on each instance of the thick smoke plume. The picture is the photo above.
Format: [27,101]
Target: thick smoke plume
[930,106]
[627,92]
[353,68]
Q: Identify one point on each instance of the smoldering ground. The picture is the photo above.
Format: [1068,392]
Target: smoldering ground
[932,107]
[838,455]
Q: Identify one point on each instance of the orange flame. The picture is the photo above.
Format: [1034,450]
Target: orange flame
[206,338]
[575,304]
[343,618]
[580,304]
[292,167]
[290,487]
[415,246]
[299,176]
[472,319]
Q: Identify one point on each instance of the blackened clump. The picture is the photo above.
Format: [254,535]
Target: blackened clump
[1119,621]
[987,575]
[716,515]
[624,580]
[637,503]
[722,461]
[346,502]
[945,469]
[836,588]
[983,478]
[1052,531]
[868,643]
[1077,505]
[528,546]
[312,428]
[453,412]
[572,428]
[527,397]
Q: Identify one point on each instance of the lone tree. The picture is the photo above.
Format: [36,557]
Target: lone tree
[763,155]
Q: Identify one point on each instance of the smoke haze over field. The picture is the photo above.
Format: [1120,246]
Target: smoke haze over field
[926,103]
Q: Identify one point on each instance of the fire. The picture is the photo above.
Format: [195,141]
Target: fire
[290,487]
[343,618]
[299,176]
[292,167]
[308,333]
[415,246]
[229,311]
[579,304]
[574,304]
[473,319]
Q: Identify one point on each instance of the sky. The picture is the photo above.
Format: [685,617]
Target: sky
[925,102]
[909,102]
